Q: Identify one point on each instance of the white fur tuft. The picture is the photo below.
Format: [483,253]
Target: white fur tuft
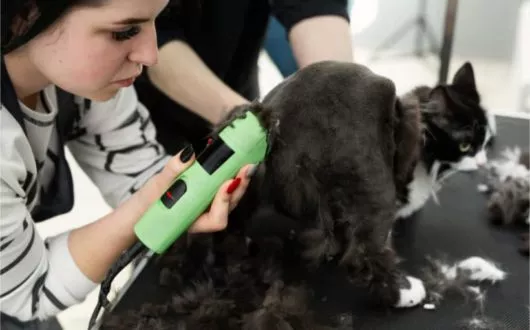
[475,268]
[480,269]
[423,186]
[508,166]
[483,188]
[419,192]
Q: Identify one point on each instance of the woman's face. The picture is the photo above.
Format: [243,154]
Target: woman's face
[94,51]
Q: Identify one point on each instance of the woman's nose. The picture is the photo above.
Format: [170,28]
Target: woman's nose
[145,50]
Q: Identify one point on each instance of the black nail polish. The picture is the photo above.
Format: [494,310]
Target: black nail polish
[186,154]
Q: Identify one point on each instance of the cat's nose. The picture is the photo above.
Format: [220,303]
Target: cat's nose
[481,163]
[481,159]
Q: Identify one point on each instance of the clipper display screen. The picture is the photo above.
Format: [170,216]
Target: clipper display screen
[214,155]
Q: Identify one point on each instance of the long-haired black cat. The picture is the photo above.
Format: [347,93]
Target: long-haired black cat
[455,128]
[343,158]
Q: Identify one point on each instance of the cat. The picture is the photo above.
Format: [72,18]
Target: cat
[455,132]
[343,150]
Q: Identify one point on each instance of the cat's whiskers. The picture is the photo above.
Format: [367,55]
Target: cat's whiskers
[426,129]
[436,183]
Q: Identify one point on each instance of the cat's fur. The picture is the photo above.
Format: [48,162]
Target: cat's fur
[343,149]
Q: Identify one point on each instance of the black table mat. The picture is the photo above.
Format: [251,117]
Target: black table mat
[457,228]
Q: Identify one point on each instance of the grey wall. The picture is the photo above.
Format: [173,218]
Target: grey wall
[483,27]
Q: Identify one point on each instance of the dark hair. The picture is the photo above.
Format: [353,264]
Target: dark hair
[22,20]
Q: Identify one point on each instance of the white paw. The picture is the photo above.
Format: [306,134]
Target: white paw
[413,295]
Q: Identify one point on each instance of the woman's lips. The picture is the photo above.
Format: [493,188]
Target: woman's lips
[126,82]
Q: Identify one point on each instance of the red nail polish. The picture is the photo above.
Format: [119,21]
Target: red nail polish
[233,185]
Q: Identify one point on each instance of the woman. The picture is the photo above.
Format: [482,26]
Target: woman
[93,49]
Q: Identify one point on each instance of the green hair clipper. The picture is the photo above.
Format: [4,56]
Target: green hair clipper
[243,141]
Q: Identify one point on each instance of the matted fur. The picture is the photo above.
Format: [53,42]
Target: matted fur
[509,188]
[242,289]
[509,203]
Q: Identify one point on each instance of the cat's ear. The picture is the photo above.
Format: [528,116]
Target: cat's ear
[465,77]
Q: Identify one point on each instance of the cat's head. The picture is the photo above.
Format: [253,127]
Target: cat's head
[457,127]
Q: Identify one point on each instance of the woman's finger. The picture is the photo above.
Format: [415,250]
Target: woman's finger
[160,182]
[226,199]
[176,165]
[217,217]
[245,175]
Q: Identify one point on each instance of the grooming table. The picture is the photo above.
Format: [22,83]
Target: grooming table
[456,228]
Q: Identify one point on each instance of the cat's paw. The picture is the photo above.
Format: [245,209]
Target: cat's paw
[411,292]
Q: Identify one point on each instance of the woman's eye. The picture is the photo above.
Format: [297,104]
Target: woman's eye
[465,147]
[126,34]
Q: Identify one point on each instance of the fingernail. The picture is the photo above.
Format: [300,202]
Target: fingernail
[251,171]
[186,154]
[233,185]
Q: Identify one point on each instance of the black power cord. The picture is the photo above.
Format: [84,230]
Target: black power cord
[126,257]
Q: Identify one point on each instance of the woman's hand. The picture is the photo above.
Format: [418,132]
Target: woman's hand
[96,246]
[226,199]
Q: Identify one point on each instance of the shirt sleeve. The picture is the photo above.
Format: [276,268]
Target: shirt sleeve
[290,12]
[38,277]
[170,24]
[118,149]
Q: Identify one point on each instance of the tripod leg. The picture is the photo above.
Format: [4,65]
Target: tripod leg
[422,24]
[432,39]
[419,36]
[425,30]
[391,39]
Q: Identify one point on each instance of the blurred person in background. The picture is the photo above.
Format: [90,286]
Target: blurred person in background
[209,57]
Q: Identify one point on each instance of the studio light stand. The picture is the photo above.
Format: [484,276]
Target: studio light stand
[424,32]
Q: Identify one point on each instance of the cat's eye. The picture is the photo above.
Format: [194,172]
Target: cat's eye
[465,147]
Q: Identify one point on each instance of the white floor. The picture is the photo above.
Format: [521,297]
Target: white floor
[492,78]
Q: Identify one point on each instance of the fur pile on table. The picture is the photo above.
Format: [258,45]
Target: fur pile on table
[509,189]
[239,287]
